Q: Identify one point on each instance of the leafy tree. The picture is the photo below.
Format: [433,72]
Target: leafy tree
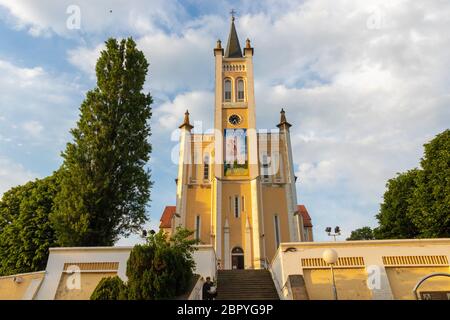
[430,202]
[104,185]
[364,233]
[162,268]
[110,288]
[394,221]
[417,203]
[25,229]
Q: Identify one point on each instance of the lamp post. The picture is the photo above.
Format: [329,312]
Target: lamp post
[330,256]
[337,232]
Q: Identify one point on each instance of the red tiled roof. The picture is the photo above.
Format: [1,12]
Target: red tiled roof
[304,212]
[166,218]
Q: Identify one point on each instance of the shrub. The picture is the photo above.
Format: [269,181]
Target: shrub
[111,288]
[160,269]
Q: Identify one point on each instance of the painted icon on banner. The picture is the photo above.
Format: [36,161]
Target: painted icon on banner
[236,160]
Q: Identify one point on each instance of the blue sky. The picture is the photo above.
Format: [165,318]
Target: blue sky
[364,83]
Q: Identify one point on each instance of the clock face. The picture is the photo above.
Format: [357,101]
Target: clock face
[234,119]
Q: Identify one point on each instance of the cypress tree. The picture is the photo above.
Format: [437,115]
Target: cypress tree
[105,186]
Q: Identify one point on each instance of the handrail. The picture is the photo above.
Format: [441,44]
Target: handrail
[275,279]
[436,274]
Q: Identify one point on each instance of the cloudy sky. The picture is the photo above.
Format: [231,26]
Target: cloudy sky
[364,83]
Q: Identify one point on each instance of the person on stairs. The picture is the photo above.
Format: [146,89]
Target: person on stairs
[209,290]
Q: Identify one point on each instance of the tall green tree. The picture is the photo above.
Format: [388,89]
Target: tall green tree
[364,233]
[25,229]
[430,202]
[105,186]
[393,219]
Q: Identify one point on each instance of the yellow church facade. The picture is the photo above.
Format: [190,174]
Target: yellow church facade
[236,185]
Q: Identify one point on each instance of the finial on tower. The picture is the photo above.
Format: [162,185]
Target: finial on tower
[186,122]
[283,121]
[232,12]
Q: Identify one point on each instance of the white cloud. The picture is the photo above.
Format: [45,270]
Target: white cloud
[37,109]
[12,174]
[47,17]
[179,61]
[85,58]
[34,100]
[33,128]
[169,115]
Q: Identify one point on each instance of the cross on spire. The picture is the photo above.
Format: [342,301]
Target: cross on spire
[232,12]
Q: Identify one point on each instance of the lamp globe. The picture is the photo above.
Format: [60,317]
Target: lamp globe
[330,256]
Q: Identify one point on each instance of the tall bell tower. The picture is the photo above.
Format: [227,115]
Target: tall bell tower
[236,157]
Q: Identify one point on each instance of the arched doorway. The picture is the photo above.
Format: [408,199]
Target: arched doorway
[237,258]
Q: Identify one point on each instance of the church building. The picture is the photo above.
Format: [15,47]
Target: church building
[236,191]
[236,185]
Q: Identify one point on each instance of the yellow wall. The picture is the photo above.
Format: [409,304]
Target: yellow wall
[89,281]
[10,290]
[350,284]
[201,145]
[237,225]
[274,202]
[403,279]
[199,203]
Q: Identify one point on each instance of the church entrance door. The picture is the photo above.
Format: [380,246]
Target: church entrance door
[237,258]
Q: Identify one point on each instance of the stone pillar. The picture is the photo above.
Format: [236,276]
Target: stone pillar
[248,246]
[218,243]
[291,192]
[184,162]
[226,245]
[255,224]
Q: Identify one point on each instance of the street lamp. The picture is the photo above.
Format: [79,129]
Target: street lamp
[337,232]
[331,257]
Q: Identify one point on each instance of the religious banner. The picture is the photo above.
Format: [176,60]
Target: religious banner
[236,160]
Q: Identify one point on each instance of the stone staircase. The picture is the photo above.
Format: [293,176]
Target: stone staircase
[245,285]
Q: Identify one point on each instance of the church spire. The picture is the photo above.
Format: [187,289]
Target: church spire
[283,121]
[233,49]
[186,121]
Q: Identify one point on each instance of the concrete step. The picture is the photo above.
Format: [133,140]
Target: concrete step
[245,285]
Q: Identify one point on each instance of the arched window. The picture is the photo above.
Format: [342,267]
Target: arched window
[237,250]
[227,90]
[237,207]
[240,90]
[197,227]
[237,258]
[265,167]
[277,230]
[206,168]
